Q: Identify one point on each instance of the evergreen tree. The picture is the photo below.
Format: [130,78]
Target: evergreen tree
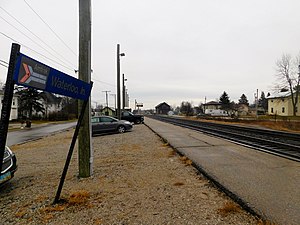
[29,101]
[243,100]
[225,101]
[263,102]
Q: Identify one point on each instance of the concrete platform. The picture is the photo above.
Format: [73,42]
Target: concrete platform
[268,184]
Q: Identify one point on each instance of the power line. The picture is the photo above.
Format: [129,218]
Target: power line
[5,35]
[50,28]
[103,82]
[35,35]
[3,65]
[3,61]
[31,39]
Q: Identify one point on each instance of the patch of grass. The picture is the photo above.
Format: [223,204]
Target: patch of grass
[55,208]
[228,208]
[78,198]
[171,153]
[186,160]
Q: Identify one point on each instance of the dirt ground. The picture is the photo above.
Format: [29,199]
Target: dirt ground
[137,179]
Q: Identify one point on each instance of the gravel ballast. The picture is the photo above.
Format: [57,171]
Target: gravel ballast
[137,179]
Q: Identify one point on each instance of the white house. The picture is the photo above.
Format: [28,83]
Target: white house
[281,104]
[14,106]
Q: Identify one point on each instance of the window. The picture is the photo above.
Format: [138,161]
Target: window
[272,110]
[107,119]
[283,109]
[125,113]
[95,120]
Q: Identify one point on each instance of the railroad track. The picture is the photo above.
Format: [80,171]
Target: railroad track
[283,144]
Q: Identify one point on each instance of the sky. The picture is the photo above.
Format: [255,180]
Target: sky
[175,50]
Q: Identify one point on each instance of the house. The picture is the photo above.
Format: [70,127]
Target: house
[162,108]
[50,102]
[107,111]
[281,104]
[242,109]
[14,105]
[211,105]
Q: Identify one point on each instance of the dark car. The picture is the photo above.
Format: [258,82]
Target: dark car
[104,124]
[134,118]
[9,166]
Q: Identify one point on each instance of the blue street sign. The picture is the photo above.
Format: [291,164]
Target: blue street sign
[31,73]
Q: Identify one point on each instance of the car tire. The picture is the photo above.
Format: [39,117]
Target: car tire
[138,121]
[121,129]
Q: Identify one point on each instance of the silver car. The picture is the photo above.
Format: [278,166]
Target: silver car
[105,124]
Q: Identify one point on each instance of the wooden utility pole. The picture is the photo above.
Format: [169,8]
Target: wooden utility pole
[85,156]
[118,82]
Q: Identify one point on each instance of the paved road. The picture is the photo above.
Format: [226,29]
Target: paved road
[20,136]
[266,183]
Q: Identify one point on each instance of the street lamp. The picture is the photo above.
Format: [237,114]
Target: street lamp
[124,91]
[118,81]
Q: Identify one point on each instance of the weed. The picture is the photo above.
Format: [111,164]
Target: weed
[79,197]
[171,153]
[186,160]
[229,207]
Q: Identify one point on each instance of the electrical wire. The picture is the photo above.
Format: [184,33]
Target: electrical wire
[50,28]
[3,65]
[32,39]
[40,39]
[3,61]
[69,68]
[103,82]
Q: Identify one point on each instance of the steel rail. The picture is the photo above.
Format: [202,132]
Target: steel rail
[279,143]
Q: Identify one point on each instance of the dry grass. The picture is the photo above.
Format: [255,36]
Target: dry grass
[171,153]
[178,184]
[55,208]
[228,208]
[186,160]
[78,198]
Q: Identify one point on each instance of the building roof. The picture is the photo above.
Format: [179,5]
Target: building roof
[163,103]
[280,95]
[212,103]
[50,98]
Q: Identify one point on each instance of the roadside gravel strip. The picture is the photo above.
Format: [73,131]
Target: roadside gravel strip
[137,179]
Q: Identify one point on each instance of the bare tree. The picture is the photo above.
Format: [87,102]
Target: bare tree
[288,77]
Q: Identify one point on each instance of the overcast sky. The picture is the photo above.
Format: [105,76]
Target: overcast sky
[176,50]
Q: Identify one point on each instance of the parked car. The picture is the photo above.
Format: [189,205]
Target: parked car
[134,118]
[9,166]
[104,124]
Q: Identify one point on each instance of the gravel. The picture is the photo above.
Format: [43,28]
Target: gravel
[137,179]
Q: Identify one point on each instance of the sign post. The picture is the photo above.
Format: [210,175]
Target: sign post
[7,100]
[29,72]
